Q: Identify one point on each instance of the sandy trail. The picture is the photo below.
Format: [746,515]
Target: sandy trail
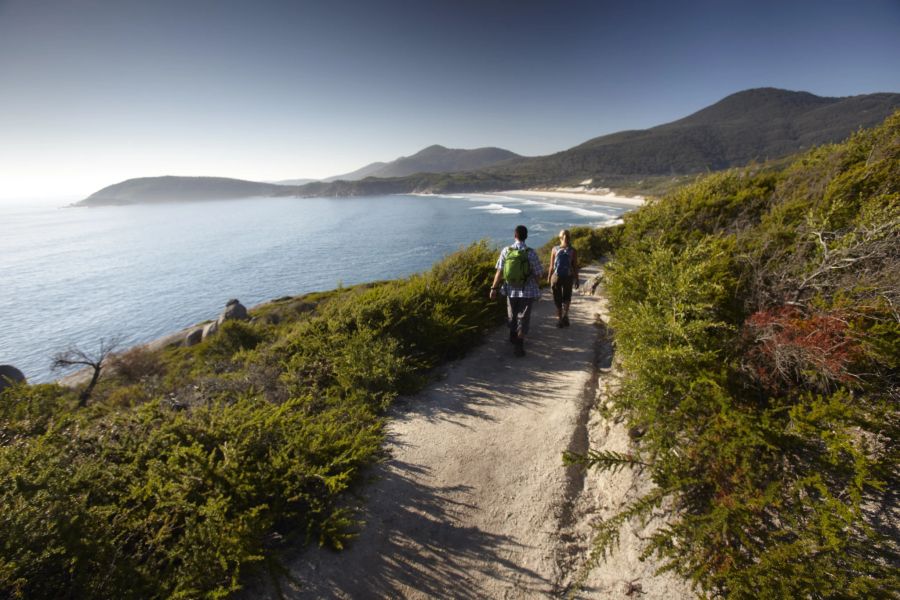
[474,501]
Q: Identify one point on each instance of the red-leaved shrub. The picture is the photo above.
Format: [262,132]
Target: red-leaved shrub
[787,346]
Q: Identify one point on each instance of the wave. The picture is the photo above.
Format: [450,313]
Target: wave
[497,209]
[548,204]
[432,195]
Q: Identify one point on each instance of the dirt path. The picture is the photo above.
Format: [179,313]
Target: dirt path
[475,502]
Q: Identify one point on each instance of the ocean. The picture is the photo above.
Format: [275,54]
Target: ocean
[71,276]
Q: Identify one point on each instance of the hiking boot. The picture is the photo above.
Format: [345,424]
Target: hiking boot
[565,321]
[559,323]
[519,349]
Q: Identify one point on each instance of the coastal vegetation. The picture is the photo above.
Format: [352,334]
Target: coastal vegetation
[191,464]
[756,319]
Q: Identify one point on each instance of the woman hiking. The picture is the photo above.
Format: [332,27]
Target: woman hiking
[562,275]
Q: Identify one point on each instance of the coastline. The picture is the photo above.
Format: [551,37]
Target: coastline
[603,195]
[174,338]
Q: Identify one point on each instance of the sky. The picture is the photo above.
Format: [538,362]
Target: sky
[93,92]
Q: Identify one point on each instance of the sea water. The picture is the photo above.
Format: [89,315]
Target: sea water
[72,276]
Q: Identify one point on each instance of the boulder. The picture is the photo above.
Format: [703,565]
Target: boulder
[233,310]
[209,329]
[194,337]
[169,341]
[9,376]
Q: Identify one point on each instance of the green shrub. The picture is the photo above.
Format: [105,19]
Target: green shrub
[590,243]
[137,364]
[29,410]
[231,338]
[172,488]
[756,324]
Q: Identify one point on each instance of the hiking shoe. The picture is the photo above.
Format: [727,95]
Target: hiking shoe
[565,321]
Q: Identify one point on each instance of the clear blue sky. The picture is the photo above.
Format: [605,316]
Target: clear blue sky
[96,91]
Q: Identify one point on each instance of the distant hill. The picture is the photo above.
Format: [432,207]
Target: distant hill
[293,181]
[753,125]
[433,159]
[177,189]
[370,170]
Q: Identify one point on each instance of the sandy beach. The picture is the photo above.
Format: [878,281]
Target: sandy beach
[605,197]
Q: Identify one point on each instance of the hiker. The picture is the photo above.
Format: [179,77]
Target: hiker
[562,276]
[519,269]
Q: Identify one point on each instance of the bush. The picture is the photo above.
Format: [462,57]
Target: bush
[756,324]
[137,364]
[590,243]
[172,488]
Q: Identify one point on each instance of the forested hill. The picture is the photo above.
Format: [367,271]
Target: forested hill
[433,159]
[145,190]
[753,125]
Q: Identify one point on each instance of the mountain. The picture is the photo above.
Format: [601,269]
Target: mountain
[370,170]
[148,190]
[433,159]
[753,125]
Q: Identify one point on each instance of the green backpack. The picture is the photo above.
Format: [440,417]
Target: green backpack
[516,267]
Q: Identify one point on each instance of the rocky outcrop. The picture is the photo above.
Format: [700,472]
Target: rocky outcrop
[233,310]
[194,337]
[187,337]
[9,376]
[210,328]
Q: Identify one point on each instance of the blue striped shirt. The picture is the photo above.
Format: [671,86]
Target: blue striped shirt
[531,289]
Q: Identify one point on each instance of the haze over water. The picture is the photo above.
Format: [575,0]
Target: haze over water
[73,276]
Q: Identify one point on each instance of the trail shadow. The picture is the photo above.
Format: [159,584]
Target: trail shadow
[490,375]
[413,545]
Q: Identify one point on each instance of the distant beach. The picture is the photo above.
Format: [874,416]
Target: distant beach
[602,195]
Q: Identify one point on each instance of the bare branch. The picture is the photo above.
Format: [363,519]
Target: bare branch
[75,356]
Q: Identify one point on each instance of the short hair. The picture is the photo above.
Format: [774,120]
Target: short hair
[521,233]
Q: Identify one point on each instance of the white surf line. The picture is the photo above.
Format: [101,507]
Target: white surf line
[609,198]
[497,209]
[583,210]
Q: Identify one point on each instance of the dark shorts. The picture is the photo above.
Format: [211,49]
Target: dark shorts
[562,289]
[518,314]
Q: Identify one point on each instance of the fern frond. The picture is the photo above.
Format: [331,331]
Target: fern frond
[603,460]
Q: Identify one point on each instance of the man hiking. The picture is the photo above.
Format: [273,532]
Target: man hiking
[519,269]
